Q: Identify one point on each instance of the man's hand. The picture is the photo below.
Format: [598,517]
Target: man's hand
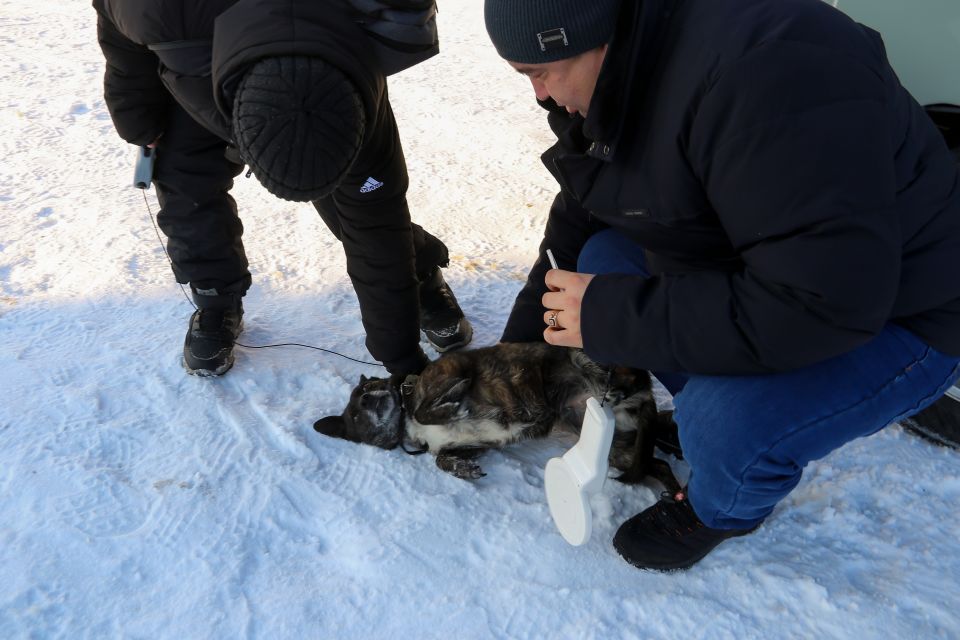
[563,303]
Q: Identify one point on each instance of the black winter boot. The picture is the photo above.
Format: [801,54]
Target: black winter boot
[669,536]
[214,326]
[441,319]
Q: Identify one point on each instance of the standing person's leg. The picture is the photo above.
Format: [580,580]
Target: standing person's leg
[199,218]
[197,213]
[430,250]
[441,319]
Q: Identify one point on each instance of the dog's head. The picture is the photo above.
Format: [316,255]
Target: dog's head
[374,414]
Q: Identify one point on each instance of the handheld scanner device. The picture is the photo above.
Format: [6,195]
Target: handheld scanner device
[143,168]
[570,480]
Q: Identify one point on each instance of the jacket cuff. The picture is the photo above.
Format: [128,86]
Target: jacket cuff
[607,325]
[413,364]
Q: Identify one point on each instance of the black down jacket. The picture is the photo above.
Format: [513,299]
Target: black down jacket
[791,197]
[195,51]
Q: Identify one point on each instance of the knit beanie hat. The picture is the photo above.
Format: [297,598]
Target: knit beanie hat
[535,31]
[298,123]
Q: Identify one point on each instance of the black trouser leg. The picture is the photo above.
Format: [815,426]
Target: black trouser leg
[430,250]
[197,213]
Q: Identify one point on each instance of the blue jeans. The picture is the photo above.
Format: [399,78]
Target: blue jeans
[748,438]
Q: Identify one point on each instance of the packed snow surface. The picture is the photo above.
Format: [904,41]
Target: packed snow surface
[137,501]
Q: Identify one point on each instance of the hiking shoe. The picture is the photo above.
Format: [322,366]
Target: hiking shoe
[214,326]
[669,536]
[441,319]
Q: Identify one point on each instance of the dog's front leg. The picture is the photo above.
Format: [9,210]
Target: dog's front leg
[644,463]
[460,462]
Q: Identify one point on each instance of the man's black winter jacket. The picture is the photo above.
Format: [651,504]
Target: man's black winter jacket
[196,51]
[790,195]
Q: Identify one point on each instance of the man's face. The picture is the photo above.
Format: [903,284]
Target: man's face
[569,82]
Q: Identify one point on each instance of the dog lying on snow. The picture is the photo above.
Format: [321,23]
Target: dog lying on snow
[469,401]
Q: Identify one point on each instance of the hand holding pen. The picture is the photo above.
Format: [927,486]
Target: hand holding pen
[563,302]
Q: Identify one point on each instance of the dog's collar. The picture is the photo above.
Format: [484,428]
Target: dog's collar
[406,392]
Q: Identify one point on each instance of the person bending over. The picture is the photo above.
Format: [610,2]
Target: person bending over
[297,91]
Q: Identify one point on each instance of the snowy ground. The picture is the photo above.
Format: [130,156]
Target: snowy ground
[136,501]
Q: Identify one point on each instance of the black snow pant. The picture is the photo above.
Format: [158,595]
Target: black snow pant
[430,250]
[197,213]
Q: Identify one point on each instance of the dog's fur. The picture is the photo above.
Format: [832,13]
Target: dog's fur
[469,401]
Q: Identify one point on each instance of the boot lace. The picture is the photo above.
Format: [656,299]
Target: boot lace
[215,324]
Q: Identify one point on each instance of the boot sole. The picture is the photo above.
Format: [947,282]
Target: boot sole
[208,373]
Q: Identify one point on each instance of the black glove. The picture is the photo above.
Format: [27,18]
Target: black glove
[413,364]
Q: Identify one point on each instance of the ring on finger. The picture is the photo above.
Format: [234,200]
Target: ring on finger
[552,319]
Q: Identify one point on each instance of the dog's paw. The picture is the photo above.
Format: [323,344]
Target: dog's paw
[466,470]
[460,468]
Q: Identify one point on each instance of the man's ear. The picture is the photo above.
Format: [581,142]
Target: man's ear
[443,402]
[332,426]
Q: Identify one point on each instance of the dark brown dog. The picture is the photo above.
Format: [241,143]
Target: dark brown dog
[469,401]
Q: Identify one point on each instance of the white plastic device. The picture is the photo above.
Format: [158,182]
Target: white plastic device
[571,479]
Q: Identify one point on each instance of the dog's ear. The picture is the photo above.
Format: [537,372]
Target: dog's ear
[363,380]
[333,426]
[443,402]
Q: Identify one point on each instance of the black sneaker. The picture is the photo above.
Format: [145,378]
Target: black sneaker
[669,536]
[940,422]
[214,326]
[441,319]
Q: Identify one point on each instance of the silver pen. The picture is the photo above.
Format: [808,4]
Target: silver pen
[553,261]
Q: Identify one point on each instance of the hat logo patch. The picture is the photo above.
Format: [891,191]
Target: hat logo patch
[553,39]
